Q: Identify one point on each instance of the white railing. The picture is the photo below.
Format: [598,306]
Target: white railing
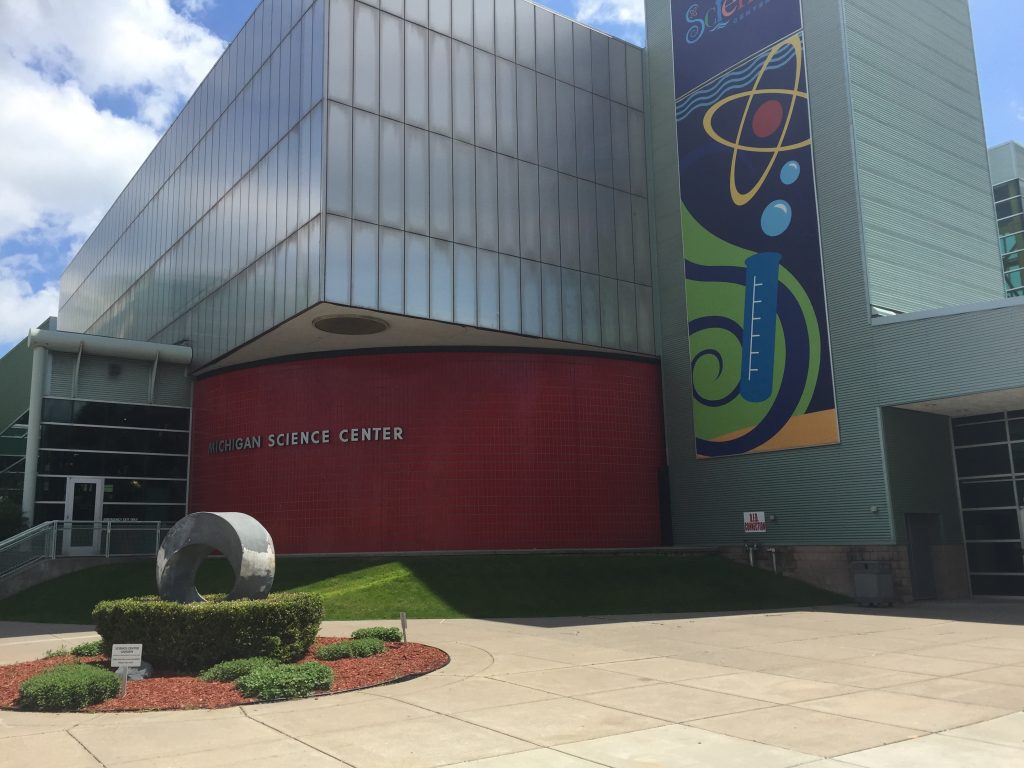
[66,538]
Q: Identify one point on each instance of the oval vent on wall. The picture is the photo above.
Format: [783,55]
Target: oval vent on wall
[350,325]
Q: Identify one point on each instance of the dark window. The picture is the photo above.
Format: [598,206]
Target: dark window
[1008,207]
[121,415]
[973,434]
[1012,224]
[1018,457]
[47,512]
[107,439]
[1017,429]
[111,464]
[144,490]
[976,419]
[1010,243]
[58,410]
[167,513]
[991,524]
[987,460]
[997,494]
[50,488]
[997,585]
[1008,189]
[995,558]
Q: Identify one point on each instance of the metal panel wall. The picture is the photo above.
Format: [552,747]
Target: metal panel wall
[821,495]
[926,199]
[237,175]
[524,144]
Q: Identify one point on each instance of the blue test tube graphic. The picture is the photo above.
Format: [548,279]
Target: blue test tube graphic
[759,308]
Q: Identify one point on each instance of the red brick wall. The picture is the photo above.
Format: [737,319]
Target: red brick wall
[500,450]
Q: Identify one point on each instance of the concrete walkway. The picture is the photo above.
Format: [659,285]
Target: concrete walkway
[933,685]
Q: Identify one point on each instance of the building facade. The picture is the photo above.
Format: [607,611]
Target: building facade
[466,274]
[1006,163]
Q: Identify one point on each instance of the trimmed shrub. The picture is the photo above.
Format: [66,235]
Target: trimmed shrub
[285,681]
[194,636]
[387,634]
[68,687]
[228,671]
[92,648]
[351,649]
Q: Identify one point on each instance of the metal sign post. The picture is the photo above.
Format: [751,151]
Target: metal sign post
[124,657]
[405,624]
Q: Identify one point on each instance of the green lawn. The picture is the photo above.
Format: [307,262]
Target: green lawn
[458,586]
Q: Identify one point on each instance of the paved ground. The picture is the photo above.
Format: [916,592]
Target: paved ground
[934,685]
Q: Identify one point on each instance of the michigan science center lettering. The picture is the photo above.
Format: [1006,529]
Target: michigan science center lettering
[307,437]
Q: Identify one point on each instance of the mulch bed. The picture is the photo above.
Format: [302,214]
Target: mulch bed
[170,690]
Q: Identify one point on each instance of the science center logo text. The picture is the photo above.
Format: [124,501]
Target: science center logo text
[306,437]
[710,17]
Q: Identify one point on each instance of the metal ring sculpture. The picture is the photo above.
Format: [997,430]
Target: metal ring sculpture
[239,537]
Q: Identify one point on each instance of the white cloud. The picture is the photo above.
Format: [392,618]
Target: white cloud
[24,306]
[629,12]
[63,157]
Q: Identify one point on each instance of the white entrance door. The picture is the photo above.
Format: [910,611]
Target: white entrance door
[83,510]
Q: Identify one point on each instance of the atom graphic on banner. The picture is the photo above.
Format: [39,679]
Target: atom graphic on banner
[770,118]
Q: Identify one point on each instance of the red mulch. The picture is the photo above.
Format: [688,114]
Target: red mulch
[168,690]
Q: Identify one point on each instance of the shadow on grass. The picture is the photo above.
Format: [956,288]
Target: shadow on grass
[519,586]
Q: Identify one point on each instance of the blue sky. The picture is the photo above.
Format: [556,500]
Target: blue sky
[88,88]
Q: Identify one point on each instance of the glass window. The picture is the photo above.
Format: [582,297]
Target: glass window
[1008,207]
[991,524]
[986,460]
[1012,224]
[121,414]
[974,434]
[992,494]
[127,540]
[977,419]
[997,585]
[109,439]
[995,557]
[1018,457]
[57,410]
[1010,243]
[50,488]
[1013,280]
[141,491]
[1009,189]
[111,464]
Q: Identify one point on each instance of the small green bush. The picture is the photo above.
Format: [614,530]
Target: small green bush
[92,648]
[53,653]
[351,649]
[387,634]
[194,636]
[227,671]
[285,681]
[68,687]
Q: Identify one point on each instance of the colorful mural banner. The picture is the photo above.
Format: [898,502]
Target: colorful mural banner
[755,293]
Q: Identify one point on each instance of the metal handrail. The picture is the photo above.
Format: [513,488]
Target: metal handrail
[47,541]
[28,533]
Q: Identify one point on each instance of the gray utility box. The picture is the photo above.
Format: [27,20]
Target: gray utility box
[872,583]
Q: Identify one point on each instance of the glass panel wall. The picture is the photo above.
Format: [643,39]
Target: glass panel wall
[139,451]
[990,468]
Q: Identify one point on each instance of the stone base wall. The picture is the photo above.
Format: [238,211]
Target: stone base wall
[830,567]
